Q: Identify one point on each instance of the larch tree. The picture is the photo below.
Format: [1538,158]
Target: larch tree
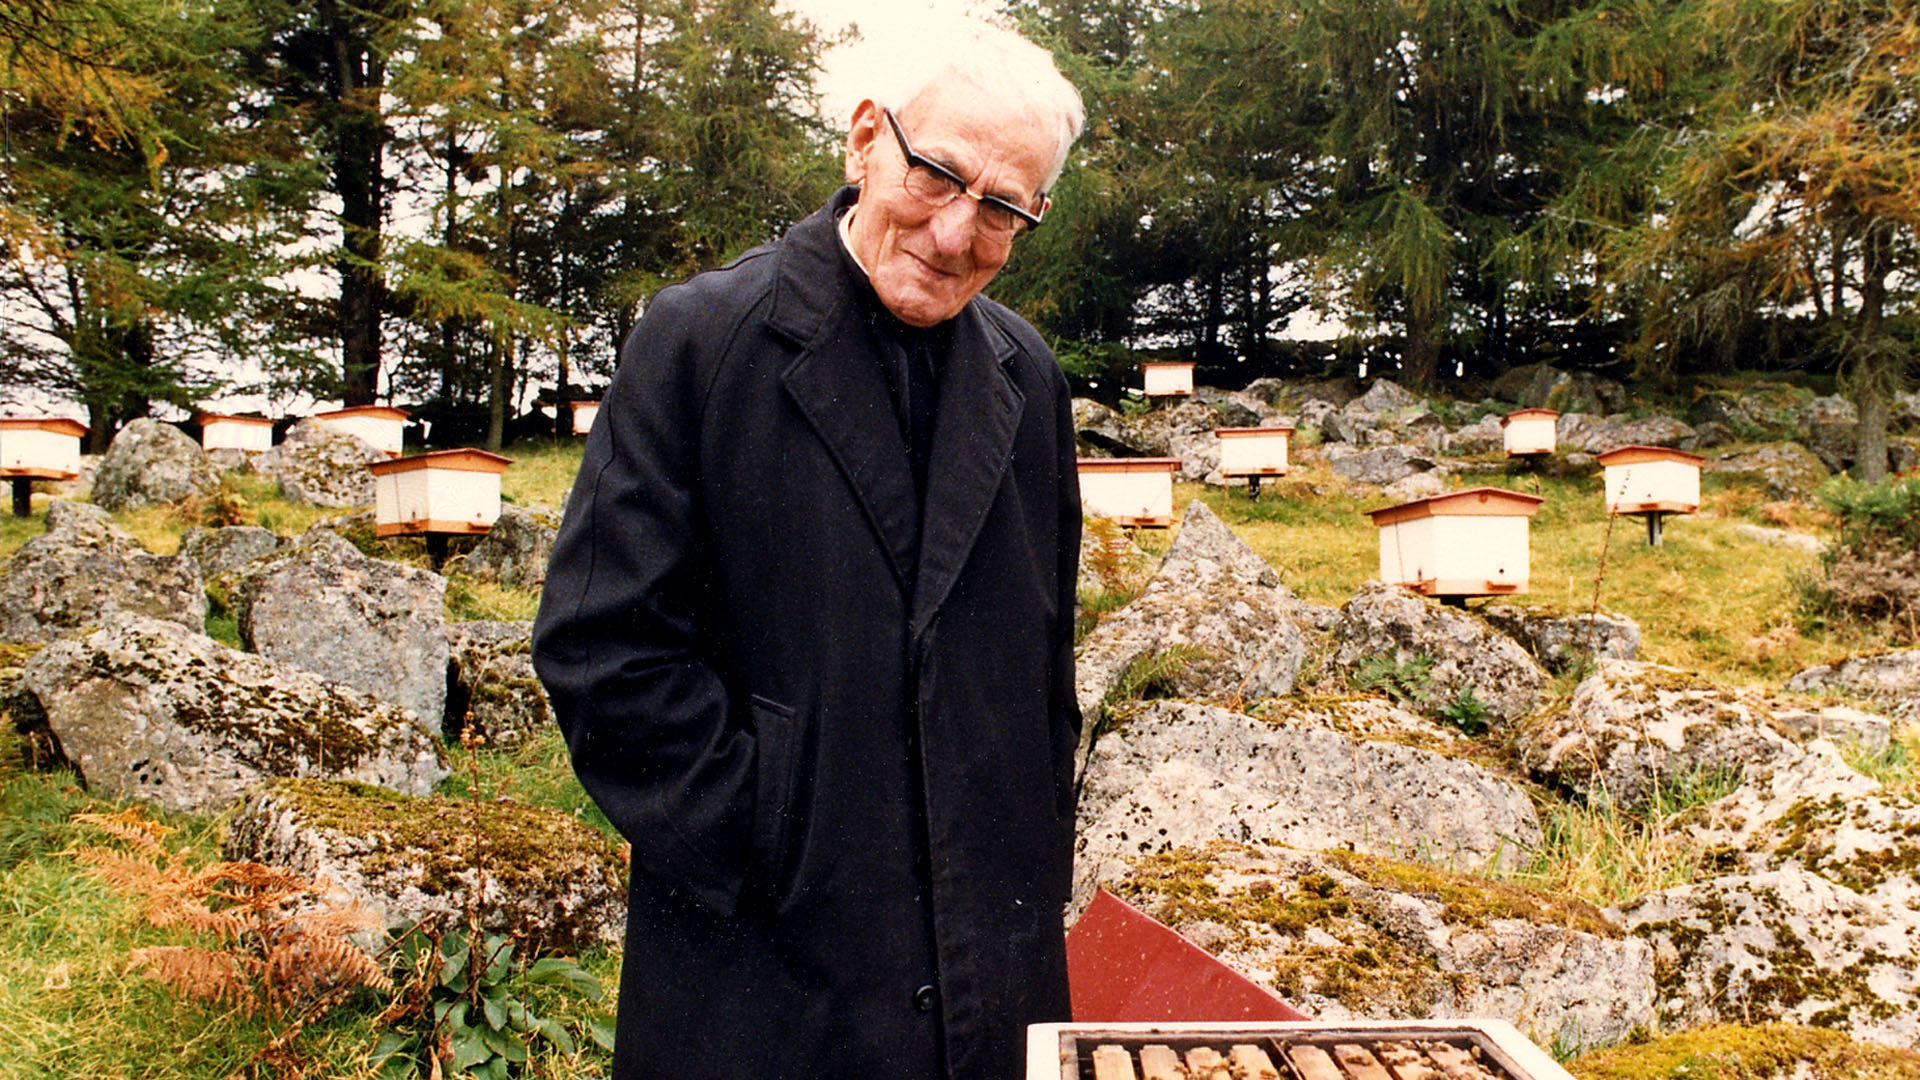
[1790,181]
[146,203]
[503,98]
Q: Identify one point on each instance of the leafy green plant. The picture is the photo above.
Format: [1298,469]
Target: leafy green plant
[1871,573]
[467,1007]
[1405,678]
[1152,675]
[1869,513]
[1467,712]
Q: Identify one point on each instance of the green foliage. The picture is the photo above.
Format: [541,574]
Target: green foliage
[1870,574]
[468,1007]
[1402,677]
[1874,513]
[1466,712]
[1152,675]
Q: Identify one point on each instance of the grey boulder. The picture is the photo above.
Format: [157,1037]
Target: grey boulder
[491,685]
[147,710]
[82,569]
[1464,654]
[1634,729]
[149,463]
[318,465]
[374,625]
[1185,775]
[527,870]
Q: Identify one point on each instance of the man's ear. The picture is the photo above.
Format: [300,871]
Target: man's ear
[862,134]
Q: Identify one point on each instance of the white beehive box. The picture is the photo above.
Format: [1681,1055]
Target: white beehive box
[40,448]
[1651,480]
[1463,543]
[379,425]
[445,491]
[1283,1049]
[1255,451]
[1528,431]
[584,413]
[1166,378]
[1132,491]
[235,432]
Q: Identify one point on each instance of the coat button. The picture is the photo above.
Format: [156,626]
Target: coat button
[923,999]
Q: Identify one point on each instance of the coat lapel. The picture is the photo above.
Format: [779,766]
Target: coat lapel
[839,387]
[978,413]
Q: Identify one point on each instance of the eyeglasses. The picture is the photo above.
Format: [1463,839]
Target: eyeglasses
[934,185]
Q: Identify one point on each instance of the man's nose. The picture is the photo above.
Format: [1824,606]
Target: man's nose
[953,226]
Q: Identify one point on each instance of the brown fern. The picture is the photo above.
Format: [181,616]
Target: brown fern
[280,940]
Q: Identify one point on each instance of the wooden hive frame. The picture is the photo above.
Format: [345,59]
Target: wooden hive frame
[1468,1049]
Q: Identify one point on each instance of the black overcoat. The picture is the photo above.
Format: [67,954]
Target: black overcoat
[845,766]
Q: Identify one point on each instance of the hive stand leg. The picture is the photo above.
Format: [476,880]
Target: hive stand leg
[1454,601]
[1653,529]
[22,497]
[437,550]
[1253,488]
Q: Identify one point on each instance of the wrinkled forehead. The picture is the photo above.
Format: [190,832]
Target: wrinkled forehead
[955,116]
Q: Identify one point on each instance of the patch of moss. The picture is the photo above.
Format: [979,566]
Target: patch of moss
[519,845]
[1764,1052]
[1473,901]
[1354,958]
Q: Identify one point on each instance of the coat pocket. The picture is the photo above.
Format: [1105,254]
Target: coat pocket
[777,754]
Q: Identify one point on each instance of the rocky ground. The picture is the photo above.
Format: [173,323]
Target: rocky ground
[1349,852]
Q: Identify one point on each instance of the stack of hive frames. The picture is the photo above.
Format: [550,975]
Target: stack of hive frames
[1419,1050]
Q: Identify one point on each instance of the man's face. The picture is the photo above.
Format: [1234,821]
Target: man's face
[926,262]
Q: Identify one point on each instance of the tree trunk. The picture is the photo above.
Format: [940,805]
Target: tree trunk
[1421,357]
[500,378]
[1876,364]
[359,136]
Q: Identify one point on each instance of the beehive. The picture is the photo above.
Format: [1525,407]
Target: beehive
[1131,491]
[584,413]
[235,432]
[1651,480]
[1463,543]
[445,491]
[1473,1049]
[40,448]
[1528,431]
[380,425]
[1255,451]
[1166,378]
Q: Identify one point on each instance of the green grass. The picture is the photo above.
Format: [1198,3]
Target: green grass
[1708,600]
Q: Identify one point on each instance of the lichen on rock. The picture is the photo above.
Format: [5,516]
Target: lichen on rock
[524,869]
[145,709]
[1346,936]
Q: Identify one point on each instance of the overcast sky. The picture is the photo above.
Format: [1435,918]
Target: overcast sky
[876,19]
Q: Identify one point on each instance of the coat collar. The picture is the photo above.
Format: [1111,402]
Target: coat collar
[845,398]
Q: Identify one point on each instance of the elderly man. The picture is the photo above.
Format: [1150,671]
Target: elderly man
[808,626]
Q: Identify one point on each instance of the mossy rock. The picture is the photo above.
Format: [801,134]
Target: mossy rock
[1761,1052]
[524,869]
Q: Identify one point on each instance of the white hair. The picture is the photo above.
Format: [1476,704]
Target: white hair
[896,72]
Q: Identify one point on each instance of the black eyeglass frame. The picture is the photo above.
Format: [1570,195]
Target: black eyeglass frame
[916,161]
